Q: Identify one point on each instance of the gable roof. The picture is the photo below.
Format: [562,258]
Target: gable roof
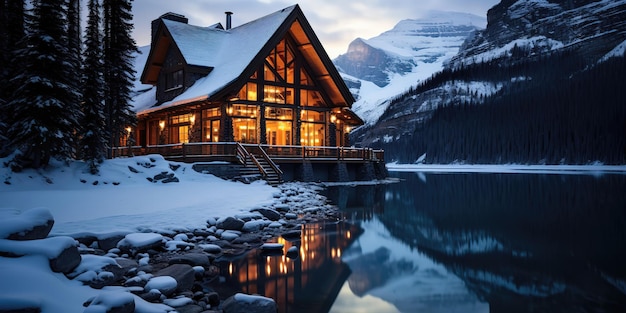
[230,55]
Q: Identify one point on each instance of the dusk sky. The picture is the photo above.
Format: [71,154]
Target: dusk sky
[335,22]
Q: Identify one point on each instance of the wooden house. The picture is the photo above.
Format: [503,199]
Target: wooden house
[267,82]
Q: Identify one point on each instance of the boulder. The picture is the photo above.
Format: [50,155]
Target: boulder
[140,242]
[109,241]
[184,275]
[193,259]
[66,261]
[230,223]
[249,303]
[29,225]
[270,214]
[166,285]
[61,251]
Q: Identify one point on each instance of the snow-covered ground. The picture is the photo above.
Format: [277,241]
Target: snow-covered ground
[121,200]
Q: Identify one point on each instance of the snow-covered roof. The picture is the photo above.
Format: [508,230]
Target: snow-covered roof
[227,52]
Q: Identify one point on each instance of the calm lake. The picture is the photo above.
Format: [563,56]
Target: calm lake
[454,242]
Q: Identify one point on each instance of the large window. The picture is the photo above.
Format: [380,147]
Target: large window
[312,134]
[244,123]
[180,126]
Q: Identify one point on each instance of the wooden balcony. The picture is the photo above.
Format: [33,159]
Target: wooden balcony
[227,151]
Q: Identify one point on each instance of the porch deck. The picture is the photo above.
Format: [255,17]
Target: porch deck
[274,163]
[227,151]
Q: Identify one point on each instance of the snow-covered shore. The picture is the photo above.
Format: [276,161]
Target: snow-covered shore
[126,229]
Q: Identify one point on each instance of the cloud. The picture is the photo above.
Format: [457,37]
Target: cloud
[336,23]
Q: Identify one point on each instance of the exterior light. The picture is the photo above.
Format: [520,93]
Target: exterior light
[128,129]
[348,129]
[333,118]
[161,125]
[192,119]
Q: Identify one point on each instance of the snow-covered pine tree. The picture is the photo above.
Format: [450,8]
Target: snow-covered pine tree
[93,138]
[75,59]
[12,32]
[44,114]
[119,72]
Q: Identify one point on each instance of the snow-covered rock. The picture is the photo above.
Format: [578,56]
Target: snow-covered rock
[62,252]
[139,242]
[31,224]
[164,284]
[249,303]
[184,275]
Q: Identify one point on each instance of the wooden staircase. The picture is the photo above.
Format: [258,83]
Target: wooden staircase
[256,161]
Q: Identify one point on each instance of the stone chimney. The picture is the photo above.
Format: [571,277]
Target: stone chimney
[167,16]
[228,20]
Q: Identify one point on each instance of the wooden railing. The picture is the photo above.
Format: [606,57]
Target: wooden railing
[228,151]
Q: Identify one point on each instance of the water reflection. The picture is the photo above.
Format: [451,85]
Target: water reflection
[455,243]
[307,283]
[521,243]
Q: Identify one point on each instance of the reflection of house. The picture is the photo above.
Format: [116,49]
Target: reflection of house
[268,81]
[309,283]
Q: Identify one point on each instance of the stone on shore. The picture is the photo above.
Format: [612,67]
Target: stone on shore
[140,242]
[270,214]
[230,223]
[61,251]
[184,275]
[29,225]
[249,303]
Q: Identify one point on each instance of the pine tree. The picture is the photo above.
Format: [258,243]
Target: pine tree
[12,32]
[93,138]
[44,114]
[118,68]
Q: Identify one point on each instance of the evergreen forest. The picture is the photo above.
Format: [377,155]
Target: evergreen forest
[561,111]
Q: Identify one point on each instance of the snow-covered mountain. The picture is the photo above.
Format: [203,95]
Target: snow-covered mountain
[507,54]
[378,68]
[525,28]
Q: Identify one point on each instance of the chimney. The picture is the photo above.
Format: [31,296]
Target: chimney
[228,19]
[167,16]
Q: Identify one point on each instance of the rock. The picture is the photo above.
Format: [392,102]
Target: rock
[110,241]
[211,221]
[29,225]
[292,234]
[282,207]
[112,302]
[193,259]
[250,304]
[127,264]
[230,235]
[184,275]
[230,223]
[291,216]
[293,252]
[250,238]
[140,242]
[211,248]
[270,214]
[166,285]
[213,299]
[253,226]
[189,308]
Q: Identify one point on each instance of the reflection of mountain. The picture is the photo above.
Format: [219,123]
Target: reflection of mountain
[388,269]
[309,283]
[521,242]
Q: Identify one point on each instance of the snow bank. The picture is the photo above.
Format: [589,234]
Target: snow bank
[123,200]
